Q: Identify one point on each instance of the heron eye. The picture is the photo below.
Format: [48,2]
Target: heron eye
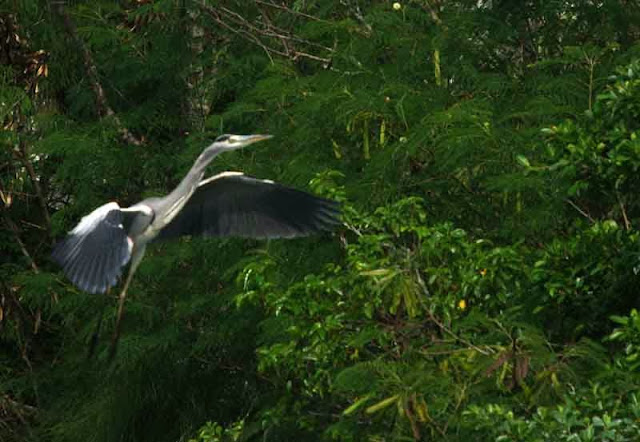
[222,138]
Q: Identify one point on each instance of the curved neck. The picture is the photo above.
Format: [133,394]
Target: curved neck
[194,176]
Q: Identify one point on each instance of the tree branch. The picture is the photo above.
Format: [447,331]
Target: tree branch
[197,106]
[252,33]
[291,11]
[23,156]
[16,234]
[104,110]
[582,212]
[433,12]
[415,429]
[627,224]
[443,327]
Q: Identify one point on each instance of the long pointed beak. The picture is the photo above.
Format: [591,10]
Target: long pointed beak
[250,139]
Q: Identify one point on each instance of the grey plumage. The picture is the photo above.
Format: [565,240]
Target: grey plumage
[233,204]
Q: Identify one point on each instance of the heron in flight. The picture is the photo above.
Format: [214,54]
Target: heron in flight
[95,252]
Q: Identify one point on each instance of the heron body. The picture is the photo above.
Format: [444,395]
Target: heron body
[95,252]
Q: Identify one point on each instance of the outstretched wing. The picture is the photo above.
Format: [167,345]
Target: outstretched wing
[232,204]
[95,251]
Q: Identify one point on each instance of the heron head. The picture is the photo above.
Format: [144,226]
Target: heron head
[233,142]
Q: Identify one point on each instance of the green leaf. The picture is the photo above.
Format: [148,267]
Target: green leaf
[356,405]
[523,161]
[382,404]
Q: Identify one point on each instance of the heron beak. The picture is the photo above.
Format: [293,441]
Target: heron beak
[250,139]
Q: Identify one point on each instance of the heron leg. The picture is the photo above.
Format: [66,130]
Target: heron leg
[136,257]
[93,341]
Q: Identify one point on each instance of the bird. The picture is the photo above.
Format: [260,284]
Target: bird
[229,204]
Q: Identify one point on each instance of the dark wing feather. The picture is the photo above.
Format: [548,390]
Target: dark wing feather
[232,204]
[95,251]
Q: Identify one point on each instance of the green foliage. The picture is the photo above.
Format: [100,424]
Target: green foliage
[589,414]
[628,334]
[597,157]
[574,290]
[486,157]
[213,432]
[417,327]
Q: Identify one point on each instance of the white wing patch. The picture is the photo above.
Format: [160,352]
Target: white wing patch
[139,208]
[88,222]
[231,174]
[219,176]
[95,251]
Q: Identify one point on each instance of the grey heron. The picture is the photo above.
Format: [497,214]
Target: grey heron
[95,252]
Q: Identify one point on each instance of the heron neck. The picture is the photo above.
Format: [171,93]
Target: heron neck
[193,177]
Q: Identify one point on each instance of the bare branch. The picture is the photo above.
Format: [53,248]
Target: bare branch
[252,33]
[627,224]
[443,327]
[104,110]
[13,410]
[291,11]
[197,106]
[582,212]
[23,156]
[433,12]
[216,17]
[282,38]
[16,234]
[359,16]
[415,429]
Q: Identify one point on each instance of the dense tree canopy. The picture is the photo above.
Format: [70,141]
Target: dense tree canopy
[483,285]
